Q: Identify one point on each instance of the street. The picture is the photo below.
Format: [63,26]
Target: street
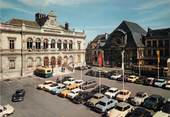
[38,103]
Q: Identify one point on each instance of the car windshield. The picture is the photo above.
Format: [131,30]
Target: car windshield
[139,95]
[102,103]
[119,108]
[73,92]
[152,99]
[166,108]
[160,81]
[123,93]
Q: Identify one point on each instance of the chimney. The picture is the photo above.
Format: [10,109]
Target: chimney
[67,26]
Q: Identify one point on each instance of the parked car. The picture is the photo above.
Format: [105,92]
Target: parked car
[50,87]
[154,102]
[112,92]
[73,86]
[94,100]
[160,82]
[82,97]
[140,80]
[6,110]
[69,81]
[121,110]
[164,112]
[105,104]
[80,82]
[132,78]
[149,81]
[123,95]
[102,89]
[73,93]
[140,112]
[89,84]
[167,86]
[58,89]
[61,80]
[47,82]
[139,98]
[121,78]
[64,93]
[115,76]
[18,95]
[89,73]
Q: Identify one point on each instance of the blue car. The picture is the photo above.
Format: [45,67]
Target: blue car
[58,89]
[105,104]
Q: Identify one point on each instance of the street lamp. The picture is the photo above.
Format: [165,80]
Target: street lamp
[123,67]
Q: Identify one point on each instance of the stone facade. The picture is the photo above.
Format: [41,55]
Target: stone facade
[24,45]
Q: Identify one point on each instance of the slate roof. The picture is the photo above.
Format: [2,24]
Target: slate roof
[129,28]
[158,32]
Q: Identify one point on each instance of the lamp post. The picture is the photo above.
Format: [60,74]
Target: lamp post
[123,69]
[158,60]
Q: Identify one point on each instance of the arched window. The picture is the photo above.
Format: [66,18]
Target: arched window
[30,62]
[65,44]
[38,61]
[38,44]
[53,62]
[59,44]
[29,43]
[45,44]
[70,44]
[52,43]
[46,61]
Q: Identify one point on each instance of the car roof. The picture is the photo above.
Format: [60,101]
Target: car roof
[98,94]
[124,90]
[113,88]
[160,79]
[75,90]
[123,104]
[150,78]
[105,99]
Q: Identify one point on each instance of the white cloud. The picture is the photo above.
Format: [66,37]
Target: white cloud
[150,4]
[56,2]
[8,5]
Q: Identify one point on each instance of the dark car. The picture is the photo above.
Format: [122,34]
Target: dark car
[18,95]
[154,102]
[82,97]
[89,73]
[89,84]
[139,112]
[140,81]
[166,107]
[149,81]
[101,88]
[61,80]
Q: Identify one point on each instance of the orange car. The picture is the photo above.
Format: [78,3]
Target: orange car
[73,86]
[123,95]
[64,93]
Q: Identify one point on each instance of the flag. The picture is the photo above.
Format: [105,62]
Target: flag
[100,59]
[158,55]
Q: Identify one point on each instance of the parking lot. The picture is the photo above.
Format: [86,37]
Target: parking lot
[38,103]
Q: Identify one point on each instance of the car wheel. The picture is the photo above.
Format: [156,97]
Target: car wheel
[4,115]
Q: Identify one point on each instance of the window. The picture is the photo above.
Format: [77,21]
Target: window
[149,52]
[160,43]
[65,44]
[79,45]
[167,44]
[12,64]
[53,43]
[71,45]
[148,43]
[45,44]
[154,44]
[29,43]
[38,61]
[11,44]
[38,44]
[29,62]
[59,44]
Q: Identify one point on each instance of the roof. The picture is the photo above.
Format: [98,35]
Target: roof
[123,104]
[158,32]
[19,22]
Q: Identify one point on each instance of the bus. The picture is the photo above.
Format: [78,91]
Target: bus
[44,72]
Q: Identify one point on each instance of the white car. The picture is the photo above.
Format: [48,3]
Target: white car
[112,92]
[50,87]
[167,86]
[69,81]
[74,93]
[139,98]
[6,110]
[115,77]
[79,82]
[47,82]
[121,110]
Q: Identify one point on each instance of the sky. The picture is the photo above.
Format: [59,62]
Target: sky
[93,16]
